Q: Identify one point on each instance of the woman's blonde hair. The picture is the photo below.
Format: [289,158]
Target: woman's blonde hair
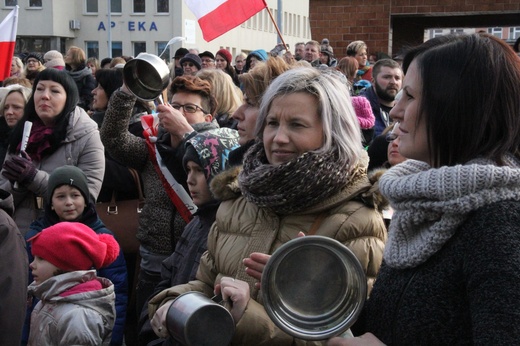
[77,56]
[228,95]
[24,91]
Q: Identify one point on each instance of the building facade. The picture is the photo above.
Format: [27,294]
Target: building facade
[144,26]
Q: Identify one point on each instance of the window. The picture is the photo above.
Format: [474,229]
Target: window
[35,3]
[514,33]
[139,47]
[139,6]
[92,49]
[160,49]
[92,6]
[436,33]
[117,48]
[495,32]
[163,6]
[115,6]
[11,3]
[456,31]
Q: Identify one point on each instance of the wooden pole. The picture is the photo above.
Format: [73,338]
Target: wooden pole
[276,27]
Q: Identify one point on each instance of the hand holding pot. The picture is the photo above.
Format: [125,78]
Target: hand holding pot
[367,339]
[173,121]
[158,321]
[236,291]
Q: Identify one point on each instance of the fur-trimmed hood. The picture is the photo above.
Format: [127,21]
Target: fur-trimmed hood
[378,200]
[224,186]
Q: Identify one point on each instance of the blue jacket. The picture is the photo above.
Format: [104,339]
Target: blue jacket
[115,272]
[382,118]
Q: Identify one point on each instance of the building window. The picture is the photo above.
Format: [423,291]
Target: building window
[160,49]
[11,3]
[495,32]
[35,3]
[117,48]
[92,6]
[115,6]
[139,6]
[514,33]
[92,49]
[139,47]
[163,6]
[456,31]
[436,33]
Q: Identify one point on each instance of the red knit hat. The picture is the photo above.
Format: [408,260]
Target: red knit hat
[364,112]
[74,246]
[225,54]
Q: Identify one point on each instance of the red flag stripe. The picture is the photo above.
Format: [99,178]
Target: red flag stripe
[228,16]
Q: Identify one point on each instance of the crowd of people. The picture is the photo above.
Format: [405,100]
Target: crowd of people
[413,165]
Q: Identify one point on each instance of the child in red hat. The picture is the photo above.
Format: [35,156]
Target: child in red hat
[76,307]
[68,199]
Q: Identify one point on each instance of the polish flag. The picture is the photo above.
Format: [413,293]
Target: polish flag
[216,17]
[7,42]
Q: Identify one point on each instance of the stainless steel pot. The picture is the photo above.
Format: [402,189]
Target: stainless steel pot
[313,288]
[146,76]
[195,319]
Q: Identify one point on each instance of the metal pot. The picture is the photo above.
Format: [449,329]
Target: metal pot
[313,288]
[146,76]
[195,319]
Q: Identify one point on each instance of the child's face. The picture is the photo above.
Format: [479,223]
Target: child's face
[42,269]
[68,203]
[197,184]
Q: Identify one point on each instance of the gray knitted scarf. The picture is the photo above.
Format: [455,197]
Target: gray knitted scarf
[292,186]
[430,204]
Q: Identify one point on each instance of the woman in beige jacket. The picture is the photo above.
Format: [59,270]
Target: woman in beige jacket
[306,173]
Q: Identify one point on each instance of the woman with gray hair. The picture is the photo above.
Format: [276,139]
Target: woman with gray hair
[307,172]
[13,100]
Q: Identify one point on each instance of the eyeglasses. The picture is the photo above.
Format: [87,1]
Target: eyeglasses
[189,64]
[207,61]
[188,108]
[32,61]
[392,135]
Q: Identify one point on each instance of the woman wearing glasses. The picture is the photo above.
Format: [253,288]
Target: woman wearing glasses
[190,111]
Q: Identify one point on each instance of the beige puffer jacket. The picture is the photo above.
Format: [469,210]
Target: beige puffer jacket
[241,228]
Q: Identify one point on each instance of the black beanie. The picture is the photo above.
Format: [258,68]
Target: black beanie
[67,175]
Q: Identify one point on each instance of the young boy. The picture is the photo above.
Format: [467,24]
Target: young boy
[76,307]
[206,155]
[67,199]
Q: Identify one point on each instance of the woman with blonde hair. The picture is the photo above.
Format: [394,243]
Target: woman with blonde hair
[76,65]
[11,111]
[16,67]
[228,95]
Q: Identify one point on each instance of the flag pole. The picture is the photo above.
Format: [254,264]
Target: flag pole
[276,27]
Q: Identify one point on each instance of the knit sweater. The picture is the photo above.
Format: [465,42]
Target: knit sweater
[465,294]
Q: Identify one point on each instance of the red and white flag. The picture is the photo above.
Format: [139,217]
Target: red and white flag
[7,42]
[216,17]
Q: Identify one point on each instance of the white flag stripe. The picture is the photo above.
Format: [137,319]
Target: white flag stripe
[200,8]
[8,26]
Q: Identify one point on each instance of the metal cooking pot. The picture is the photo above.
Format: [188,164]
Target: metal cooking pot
[146,76]
[195,319]
[313,288]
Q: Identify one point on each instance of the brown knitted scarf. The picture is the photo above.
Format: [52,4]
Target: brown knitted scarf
[292,186]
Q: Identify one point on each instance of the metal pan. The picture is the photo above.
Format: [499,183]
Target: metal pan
[313,288]
[146,76]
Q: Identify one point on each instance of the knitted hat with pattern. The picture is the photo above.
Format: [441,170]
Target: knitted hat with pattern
[74,246]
